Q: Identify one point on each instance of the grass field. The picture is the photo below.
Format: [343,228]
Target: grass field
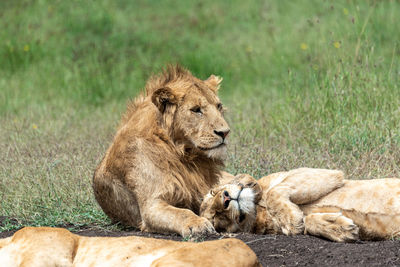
[307,83]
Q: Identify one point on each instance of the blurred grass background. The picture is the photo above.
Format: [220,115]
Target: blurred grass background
[310,83]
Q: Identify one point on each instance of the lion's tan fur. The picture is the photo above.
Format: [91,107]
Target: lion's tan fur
[319,202]
[165,155]
[373,205]
[49,247]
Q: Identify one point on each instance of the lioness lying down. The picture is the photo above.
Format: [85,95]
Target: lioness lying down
[314,201]
[44,246]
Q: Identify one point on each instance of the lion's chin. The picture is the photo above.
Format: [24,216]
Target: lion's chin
[218,153]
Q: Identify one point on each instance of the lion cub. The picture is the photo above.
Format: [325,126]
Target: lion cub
[311,201]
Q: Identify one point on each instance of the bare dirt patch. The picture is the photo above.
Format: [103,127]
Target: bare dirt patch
[278,250]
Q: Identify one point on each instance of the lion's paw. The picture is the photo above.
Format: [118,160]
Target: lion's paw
[286,215]
[198,227]
[344,230]
[333,226]
[291,222]
[292,230]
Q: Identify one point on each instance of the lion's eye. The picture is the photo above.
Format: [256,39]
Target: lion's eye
[212,193]
[196,109]
[219,106]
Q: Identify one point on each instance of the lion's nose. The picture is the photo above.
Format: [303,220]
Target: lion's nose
[223,133]
[227,199]
[226,194]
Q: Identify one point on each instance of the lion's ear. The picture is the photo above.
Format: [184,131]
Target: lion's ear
[214,81]
[163,97]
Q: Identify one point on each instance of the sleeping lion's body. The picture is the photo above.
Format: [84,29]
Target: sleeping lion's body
[314,201]
[49,247]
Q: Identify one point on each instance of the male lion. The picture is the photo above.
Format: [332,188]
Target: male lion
[49,247]
[165,155]
[314,201]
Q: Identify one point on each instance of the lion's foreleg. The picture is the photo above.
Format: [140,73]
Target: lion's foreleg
[307,185]
[333,226]
[287,216]
[162,217]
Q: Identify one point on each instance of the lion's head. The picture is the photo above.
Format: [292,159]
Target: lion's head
[232,207]
[191,111]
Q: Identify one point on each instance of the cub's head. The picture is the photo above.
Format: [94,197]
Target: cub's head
[232,207]
[191,111]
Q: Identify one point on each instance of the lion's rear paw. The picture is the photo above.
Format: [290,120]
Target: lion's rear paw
[333,226]
[345,230]
[198,227]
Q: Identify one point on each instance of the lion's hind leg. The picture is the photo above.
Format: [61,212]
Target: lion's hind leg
[116,200]
[333,226]
[375,226]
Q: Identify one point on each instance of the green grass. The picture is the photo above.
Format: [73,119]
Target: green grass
[311,83]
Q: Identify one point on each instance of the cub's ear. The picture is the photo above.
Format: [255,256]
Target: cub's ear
[214,81]
[163,97]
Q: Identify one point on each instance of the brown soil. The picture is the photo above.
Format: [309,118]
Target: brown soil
[278,250]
